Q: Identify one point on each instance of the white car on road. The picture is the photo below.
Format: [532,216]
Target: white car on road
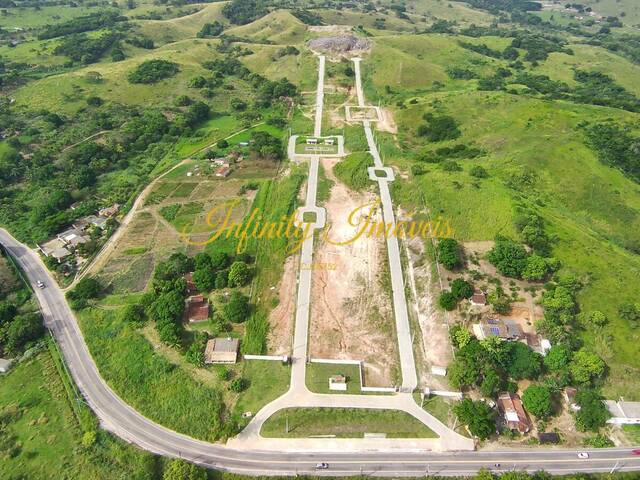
[583,455]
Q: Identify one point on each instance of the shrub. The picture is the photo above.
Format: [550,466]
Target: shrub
[447,301]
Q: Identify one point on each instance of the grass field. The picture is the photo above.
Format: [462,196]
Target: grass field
[318,377]
[42,437]
[343,423]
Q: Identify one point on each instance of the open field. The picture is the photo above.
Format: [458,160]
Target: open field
[344,423]
[42,437]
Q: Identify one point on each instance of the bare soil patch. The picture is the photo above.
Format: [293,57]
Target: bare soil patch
[340,45]
[434,333]
[386,123]
[281,317]
[351,313]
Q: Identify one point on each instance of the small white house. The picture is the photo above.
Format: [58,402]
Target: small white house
[329,141]
[312,141]
[623,413]
[440,371]
[338,382]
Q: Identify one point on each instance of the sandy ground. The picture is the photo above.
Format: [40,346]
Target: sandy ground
[386,122]
[281,318]
[436,348]
[351,314]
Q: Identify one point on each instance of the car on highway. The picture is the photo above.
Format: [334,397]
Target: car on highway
[635,452]
[40,284]
[322,466]
[583,455]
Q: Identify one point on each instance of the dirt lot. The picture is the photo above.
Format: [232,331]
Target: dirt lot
[435,348]
[351,314]
[281,318]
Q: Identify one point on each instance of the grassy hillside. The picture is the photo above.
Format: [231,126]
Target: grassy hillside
[594,210]
[279,27]
[167,31]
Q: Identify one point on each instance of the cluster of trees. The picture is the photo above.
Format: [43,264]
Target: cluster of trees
[87,289]
[460,151]
[460,289]
[616,147]
[18,328]
[86,23]
[513,260]
[210,30]
[152,71]
[266,146]
[438,128]
[216,270]
[493,365]
[82,48]
[241,12]
[141,42]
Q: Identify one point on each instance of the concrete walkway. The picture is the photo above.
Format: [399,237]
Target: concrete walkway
[403,330]
[299,395]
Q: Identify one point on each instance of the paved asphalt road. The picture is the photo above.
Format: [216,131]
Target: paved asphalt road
[119,418]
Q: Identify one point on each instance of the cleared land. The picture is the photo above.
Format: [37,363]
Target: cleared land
[350,307]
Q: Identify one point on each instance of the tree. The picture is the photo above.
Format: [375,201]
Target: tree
[523,362]
[202,260]
[558,358]
[219,260]
[593,413]
[221,279]
[509,257]
[7,312]
[204,279]
[463,372]
[449,253]
[536,268]
[537,400]
[500,301]
[238,274]
[86,289]
[478,416]
[237,309]
[181,470]
[491,384]
[447,301]
[168,307]
[461,288]
[586,366]
[23,330]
